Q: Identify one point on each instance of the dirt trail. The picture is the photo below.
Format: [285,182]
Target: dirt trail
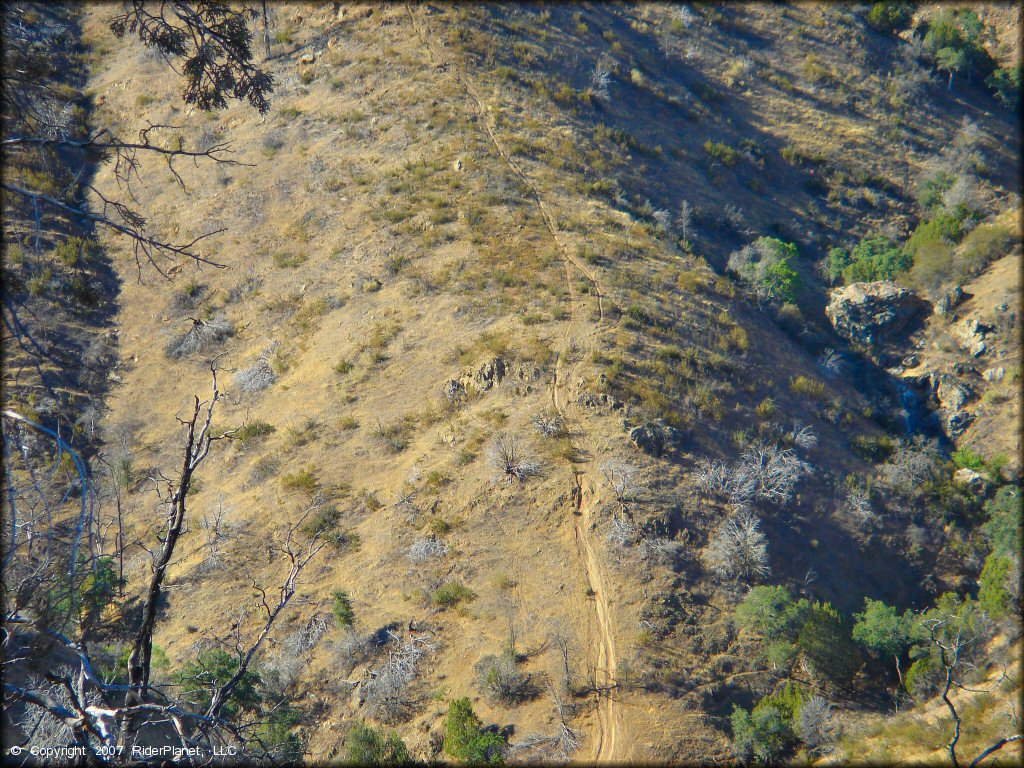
[587,494]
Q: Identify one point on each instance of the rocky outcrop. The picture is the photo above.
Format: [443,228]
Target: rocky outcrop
[655,438]
[869,313]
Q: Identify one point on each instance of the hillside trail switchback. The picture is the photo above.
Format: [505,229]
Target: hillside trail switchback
[586,492]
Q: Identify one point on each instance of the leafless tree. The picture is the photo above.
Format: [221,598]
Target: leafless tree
[256,377]
[684,221]
[766,473]
[102,714]
[738,549]
[622,532]
[913,462]
[830,363]
[622,478]
[386,690]
[956,637]
[549,423]
[511,460]
[803,436]
[858,505]
[817,726]
[430,548]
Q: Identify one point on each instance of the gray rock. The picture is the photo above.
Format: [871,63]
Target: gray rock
[978,349]
[994,374]
[951,395]
[453,391]
[975,482]
[866,313]
[958,422]
[647,440]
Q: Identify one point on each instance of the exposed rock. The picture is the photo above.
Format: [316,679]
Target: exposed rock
[307,58]
[950,301]
[487,376]
[868,312]
[910,361]
[973,481]
[994,374]
[978,349]
[654,438]
[958,422]
[950,394]
[453,391]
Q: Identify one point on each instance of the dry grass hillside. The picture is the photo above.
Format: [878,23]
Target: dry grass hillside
[451,227]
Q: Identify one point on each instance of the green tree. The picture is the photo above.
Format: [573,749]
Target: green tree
[825,642]
[766,733]
[1002,530]
[950,60]
[369,746]
[464,738]
[1005,85]
[890,17]
[883,632]
[342,608]
[996,592]
[211,670]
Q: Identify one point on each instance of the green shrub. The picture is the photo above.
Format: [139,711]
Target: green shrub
[304,480]
[368,746]
[254,430]
[890,17]
[995,593]
[826,643]
[882,631]
[464,738]
[767,732]
[1005,85]
[341,607]
[451,594]
[965,458]
[721,152]
[766,265]
[1002,529]
[807,387]
[212,669]
[874,258]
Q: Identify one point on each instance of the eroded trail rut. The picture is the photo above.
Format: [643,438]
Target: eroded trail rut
[605,742]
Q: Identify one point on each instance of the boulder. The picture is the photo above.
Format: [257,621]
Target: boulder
[958,422]
[973,481]
[647,440]
[487,376]
[656,437]
[994,374]
[866,313]
[453,391]
[951,395]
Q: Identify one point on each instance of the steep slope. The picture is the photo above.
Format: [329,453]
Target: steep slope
[445,234]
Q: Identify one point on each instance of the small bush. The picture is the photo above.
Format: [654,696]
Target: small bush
[465,739]
[890,17]
[304,480]
[254,430]
[721,152]
[369,746]
[256,377]
[766,267]
[451,594]
[807,387]
[341,607]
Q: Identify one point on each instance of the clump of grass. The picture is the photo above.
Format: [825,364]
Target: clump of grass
[807,387]
[721,152]
[254,430]
[451,594]
[304,480]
